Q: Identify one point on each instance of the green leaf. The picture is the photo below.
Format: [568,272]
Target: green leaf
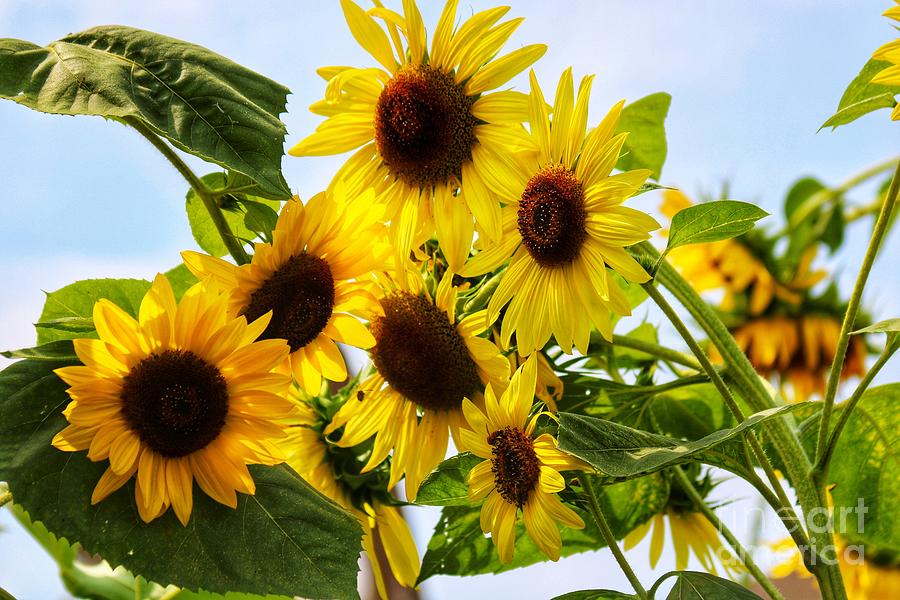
[862,96]
[621,451]
[74,303]
[886,326]
[287,539]
[260,218]
[864,467]
[200,101]
[448,484]
[58,350]
[694,585]
[644,120]
[596,595]
[802,190]
[833,228]
[691,412]
[712,222]
[459,547]
[205,232]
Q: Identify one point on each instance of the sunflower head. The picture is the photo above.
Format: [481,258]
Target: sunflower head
[890,52]
[182,393]
[521,472]
[313,279]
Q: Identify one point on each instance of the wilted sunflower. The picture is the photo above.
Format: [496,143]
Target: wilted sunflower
[799,350]
[563,225]
[425,364]
[890,52]
[426,126]
[520,472]
[182,393]
[730,266]
[312,279]
[307,453]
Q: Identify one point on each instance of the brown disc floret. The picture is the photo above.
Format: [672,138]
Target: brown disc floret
[514,464]
[551,216]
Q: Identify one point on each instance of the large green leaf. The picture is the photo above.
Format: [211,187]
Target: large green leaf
[205,232]
[596,595]
[459,547]
[58,350]
[448,484]
[74,305]
[202,102]
[694,585]
[644,120]
[621,451]
[712,221]
[864,469]
[287,539]
[862,96]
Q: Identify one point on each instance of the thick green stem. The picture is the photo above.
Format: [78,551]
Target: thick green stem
[742,554]
[844,418]
[840,353]
[208,197]
[780,430]
[610,538]
[784,509]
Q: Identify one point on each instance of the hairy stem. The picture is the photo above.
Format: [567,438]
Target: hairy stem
[834,375]
[610,538]
[208,197]
[742,554]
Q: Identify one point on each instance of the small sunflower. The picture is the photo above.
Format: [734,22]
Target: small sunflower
[313,280]
[426,362]
[563,225]
[890,52]
[691,532]
[799,350]
[729,265]
[520,472]
[431,136]
[308,453]
[182,393]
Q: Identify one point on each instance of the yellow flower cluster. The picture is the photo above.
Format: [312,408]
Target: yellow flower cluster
[504,181]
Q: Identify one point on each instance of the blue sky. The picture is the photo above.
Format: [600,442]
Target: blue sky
[751,83]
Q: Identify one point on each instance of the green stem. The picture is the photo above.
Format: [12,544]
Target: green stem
[650,348]
[824,196]
[784,509]
[840,352]
[610,538]
[824,460]
[207,196]
[742,554]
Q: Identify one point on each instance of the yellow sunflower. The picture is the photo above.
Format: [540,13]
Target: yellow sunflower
[890,52]
[549,388]
[563,225]
[307,453]
[182,393]
[313,278]
[425,364]
[691,532]
[799,350]
[730,266]
[520,472]
[431,136]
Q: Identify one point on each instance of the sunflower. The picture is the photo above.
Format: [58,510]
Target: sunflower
[313,279]
[691,532]
[520,472]
[890,52]
[563,225]
[799,350]
[182,393]
[308,453]
[425,364]
[729,265]
[431,137]
[549,387]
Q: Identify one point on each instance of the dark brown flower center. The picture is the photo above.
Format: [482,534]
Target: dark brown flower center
[424,126]
[551,216]
[421,355]
[514,464]
[175,401]
[300,295]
